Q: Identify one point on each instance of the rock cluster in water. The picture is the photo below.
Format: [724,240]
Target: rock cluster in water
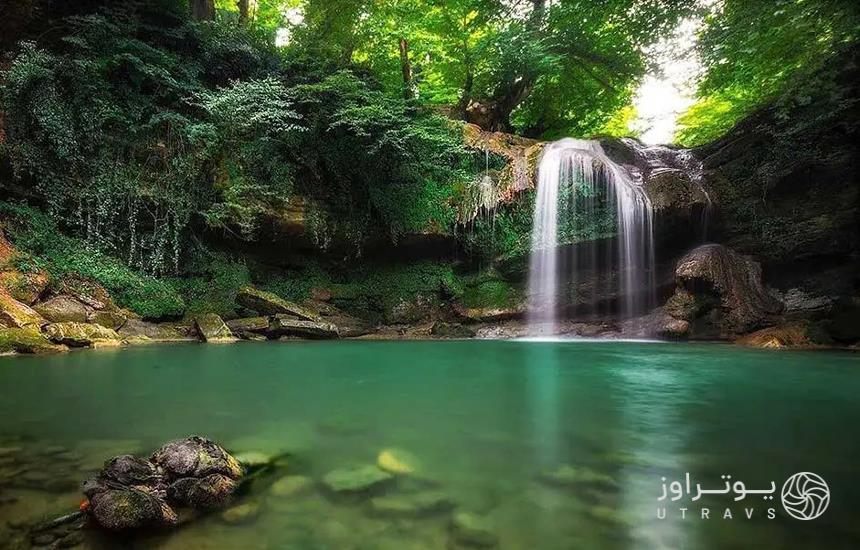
[132,493]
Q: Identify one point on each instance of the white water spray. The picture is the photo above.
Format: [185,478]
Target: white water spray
[583,165]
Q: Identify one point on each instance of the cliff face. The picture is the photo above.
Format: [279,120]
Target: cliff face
[786,183]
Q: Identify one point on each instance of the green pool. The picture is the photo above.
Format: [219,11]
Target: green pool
[540,444]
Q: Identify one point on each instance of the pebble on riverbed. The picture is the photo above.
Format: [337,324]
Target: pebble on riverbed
[357,479]
[473,530]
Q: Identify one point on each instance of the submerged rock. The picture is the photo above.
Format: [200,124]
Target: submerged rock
[411,504]
[473,530]
[397,461]
[82,335]
[268,303]
[26,340]
[211,329]
[63,308]
[241,513]
[568,475]
[357,479]
[289,486]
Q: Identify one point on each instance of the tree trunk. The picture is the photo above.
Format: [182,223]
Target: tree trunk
[203,10]
[243,10]
[406,69]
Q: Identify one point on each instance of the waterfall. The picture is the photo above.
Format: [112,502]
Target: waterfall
[576,179]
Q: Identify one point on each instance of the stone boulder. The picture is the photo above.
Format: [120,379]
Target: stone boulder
[268,303]
[113,319]
[717,283]
[212,329]
[490,315]
[793,335]
[26,340]
[657,324]
[63,308]
[14,314]
[285,325]
[138,331]
[249,327]
[87,291]
[198,472]
[133,493]
[82,335]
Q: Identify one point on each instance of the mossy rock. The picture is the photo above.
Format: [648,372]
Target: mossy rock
[63,308]
[82,334]
[15,314]
[211,328]
[358,479]
[268,303]
[26,340]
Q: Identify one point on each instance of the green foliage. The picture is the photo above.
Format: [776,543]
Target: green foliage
[212,284]
[754,51]
[371,149]
[36,234]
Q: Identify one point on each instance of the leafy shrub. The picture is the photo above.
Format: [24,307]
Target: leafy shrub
[47,248]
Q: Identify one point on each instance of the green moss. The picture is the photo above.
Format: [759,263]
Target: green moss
[494,293]
[213,287]
[44,246]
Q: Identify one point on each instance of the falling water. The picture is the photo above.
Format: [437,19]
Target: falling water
[582,165]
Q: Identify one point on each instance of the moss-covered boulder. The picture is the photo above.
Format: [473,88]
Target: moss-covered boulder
[286,325]
[63,308]
[212,329]
[268,303]
[82,335]
[26,340]
[138,331]
[198,472]
[249,327]
[14,314]
[134,493]
[112,319]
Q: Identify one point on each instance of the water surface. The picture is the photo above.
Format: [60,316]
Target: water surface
[489,421]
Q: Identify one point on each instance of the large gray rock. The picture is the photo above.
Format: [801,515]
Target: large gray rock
[248,327]
[63,308]
[211,328]
[716,282]
[268,303]
[285,325]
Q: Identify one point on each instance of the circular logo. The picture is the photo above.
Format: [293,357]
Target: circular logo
[805,495]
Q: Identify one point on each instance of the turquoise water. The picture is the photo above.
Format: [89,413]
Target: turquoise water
[497,426]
